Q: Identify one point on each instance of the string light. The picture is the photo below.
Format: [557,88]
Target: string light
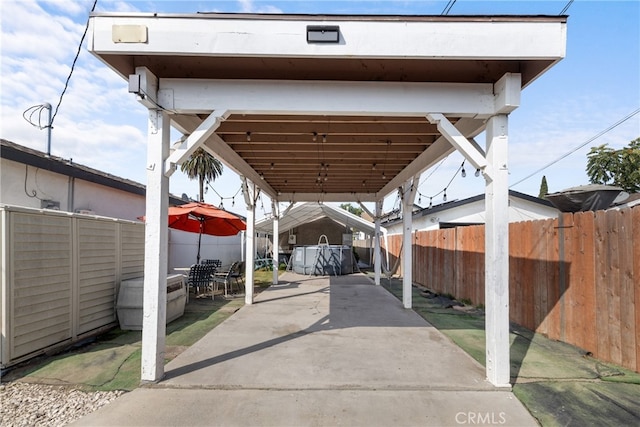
[477,174]
[315,136]
[222,198]
[463,172]
[248,136]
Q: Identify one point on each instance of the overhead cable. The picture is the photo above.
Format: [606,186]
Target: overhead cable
[566,7]
[448,7]
[66,84]
[593,138]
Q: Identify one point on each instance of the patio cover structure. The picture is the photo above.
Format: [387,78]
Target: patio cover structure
[329,108]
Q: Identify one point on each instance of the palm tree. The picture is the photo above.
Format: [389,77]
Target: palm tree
[204,167]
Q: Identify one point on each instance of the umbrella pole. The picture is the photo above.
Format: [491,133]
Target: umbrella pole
[199,240]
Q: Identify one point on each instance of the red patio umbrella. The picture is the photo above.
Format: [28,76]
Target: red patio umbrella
[203,218]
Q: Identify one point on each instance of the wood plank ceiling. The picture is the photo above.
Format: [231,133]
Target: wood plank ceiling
[326,154]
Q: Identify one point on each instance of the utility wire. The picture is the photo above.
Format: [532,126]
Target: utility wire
[566,7]
[593,138]
[448,7]
[66,85]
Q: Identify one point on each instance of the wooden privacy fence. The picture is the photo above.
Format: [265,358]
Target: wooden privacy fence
[575,278]
[60,274]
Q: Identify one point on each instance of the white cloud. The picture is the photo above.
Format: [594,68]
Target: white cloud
[249,6]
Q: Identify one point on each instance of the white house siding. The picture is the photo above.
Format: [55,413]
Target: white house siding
[19,182]
[473,212]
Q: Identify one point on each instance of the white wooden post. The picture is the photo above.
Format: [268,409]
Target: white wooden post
[155,255]
[497,254]
[409,195]
[377,257]
[250,258]
[275,209]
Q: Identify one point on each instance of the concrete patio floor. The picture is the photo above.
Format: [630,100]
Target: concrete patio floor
[320,351]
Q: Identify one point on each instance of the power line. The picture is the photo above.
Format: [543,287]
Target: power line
[448,7]
[566,7]
[593,138]
[66,84]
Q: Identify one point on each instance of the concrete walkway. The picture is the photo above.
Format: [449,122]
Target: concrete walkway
[320,351]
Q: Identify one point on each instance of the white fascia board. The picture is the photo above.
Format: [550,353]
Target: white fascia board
[328,97]
[362,38]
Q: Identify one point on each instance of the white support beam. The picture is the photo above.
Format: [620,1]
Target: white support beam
[365,209]
[459,141]
[327,197]
[195,140]
[250,197]
[275,210]
[147,92]
[507,93]
[329,97]
[377,266]
[432,155]
[409,190]
[156,249]
[497,254]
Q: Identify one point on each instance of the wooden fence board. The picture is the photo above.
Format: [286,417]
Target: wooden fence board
[613,296]
[635,221]
[627,312]
[579,283]
[601,282]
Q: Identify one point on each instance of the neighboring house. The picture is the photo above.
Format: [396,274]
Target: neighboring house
[522,207]
[32,179]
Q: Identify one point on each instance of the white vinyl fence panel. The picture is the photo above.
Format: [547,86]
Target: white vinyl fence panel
[60,277]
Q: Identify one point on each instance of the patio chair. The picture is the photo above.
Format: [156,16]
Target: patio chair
[238,274]
[200,276]
[215,262]
[225,277]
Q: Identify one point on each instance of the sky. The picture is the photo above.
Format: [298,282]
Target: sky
[100,125]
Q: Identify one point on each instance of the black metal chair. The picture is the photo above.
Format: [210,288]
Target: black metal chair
[200,277]
[238,274]
[215,262]
[225,277]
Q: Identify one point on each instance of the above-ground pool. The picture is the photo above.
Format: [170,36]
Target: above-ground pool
[321,260]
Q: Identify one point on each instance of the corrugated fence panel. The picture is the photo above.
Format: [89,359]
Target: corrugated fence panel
[97,268]
[41,282]
[132,250]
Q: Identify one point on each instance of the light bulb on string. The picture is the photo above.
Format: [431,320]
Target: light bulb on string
[430,202]
[463,173]
[248,136]
[444,197]
[419,198]
[477,174]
